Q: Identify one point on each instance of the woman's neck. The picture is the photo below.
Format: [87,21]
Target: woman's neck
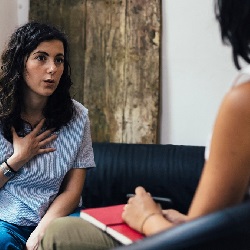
[32,110]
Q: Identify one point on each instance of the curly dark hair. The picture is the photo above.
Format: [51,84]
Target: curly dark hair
[59,108]
[234,17]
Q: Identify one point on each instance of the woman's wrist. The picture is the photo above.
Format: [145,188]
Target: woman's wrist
[154,223]
[14,163]
[10,168]
[146,219]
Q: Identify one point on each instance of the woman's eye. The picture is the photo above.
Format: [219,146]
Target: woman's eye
[40,58]
[59,60]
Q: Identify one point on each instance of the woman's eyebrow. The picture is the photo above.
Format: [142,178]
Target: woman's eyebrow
[60,54]
[41,52]
[45,53]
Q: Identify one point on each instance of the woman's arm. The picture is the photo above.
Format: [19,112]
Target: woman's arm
[64,204]
[225,177]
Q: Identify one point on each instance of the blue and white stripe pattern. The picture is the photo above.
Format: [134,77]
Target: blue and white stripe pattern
[25,198]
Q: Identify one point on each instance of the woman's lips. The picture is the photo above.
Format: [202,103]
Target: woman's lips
[49,81]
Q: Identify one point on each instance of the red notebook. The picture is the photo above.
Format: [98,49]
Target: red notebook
[109,219]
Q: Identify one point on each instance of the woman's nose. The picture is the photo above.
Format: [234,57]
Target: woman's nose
[52,67]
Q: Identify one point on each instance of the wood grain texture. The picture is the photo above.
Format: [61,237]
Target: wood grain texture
[115,60]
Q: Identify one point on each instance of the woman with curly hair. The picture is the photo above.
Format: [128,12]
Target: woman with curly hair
[45,142]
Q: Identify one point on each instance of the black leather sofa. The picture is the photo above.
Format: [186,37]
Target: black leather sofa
[171,171]
[164,170]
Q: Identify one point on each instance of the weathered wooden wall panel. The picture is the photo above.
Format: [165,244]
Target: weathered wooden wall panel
[115,58]
[142,71]
[105,65]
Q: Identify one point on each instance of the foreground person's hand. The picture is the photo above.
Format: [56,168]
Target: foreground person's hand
[174,216]
[141,210]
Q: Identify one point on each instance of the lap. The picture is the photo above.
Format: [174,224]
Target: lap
[75,233]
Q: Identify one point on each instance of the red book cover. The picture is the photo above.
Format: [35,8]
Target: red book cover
[109,219]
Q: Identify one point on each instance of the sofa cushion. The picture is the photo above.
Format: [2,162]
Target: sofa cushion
[163,170]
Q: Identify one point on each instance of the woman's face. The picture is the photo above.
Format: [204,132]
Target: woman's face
[43,69]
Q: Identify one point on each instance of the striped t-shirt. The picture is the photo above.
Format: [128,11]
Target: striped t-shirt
[25,198]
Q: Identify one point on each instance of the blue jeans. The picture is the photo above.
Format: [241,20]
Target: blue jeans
[13,237]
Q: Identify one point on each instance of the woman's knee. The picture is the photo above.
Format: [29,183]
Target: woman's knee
[74,233]
[60,233]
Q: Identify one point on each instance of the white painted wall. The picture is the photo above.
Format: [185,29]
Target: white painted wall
[196,67]
[23,11]
[196,71]
[8,19]
[12,14]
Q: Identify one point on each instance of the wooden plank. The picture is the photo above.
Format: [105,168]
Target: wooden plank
[104,71]
[142,79]
[115,58]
